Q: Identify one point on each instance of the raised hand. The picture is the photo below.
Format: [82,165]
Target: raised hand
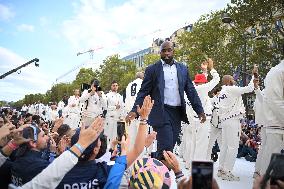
[146,108]
[90,134]
[210,64]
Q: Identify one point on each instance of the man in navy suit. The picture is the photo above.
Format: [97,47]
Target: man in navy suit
[166,81]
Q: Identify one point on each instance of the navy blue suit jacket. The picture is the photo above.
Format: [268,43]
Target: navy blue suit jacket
[154,84]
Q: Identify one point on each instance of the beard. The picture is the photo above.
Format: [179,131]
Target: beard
[168,60]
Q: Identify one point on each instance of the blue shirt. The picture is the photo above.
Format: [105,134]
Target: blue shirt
[87,175]
[116,173]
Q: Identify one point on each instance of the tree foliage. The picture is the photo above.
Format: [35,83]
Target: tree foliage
[116,69]
[150,59]
[254,25]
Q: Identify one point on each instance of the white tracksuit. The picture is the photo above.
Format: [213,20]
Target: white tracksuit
[73,112]
[113,114]
[258,112]
[273,106]
[200,131]
[131,93]
[215,128]
[185,147]
[231,110]
[95,107]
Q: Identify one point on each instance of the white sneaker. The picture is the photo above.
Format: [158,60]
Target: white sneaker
[220,173]
[230,177]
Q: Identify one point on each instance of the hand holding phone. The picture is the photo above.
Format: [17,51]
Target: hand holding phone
[121,131]
[202,174]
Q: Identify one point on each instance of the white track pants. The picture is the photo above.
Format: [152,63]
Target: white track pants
[231,131]
[214,134]
[110,129]
[200,140]
[274,144]
[261,152]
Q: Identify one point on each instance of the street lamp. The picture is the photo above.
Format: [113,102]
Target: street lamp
[228,20]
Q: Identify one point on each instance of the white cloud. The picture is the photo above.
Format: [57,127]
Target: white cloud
[6,13]
[29,80]
[132,24]
[25,28]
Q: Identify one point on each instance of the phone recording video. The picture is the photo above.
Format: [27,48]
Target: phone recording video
[202,174]
[120,130]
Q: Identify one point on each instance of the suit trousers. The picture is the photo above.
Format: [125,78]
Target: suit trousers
[168,133]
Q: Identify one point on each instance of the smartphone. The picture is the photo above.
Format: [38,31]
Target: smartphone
[120,130]
[255,67]
[202,174]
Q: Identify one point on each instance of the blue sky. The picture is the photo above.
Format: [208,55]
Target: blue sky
[56,30]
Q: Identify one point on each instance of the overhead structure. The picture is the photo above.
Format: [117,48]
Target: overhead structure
[35,60]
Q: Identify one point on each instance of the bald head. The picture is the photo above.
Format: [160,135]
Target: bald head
[228,80]
[140,75]
[166,45]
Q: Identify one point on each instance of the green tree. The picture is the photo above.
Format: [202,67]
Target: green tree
[212,38]
[113,68]
[85,75]
[206,40]
[150,59]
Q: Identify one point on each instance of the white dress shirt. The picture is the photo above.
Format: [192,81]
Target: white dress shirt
[171,90]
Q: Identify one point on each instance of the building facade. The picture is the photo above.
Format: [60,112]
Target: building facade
[138,57]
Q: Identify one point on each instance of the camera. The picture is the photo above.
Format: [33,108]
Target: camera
[85,86]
